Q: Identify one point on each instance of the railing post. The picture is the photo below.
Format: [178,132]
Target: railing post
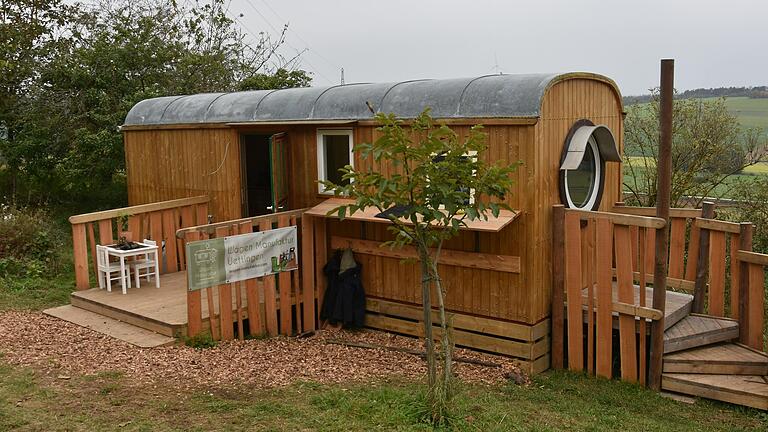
[745,244]
[702,265]
[662,211]
[80,251]
[558,284]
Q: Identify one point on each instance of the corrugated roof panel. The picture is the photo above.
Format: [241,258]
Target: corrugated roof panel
[235,107]
[189,109]
[492,96]
[348,101]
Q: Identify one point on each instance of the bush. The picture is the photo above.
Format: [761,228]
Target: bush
[30,241]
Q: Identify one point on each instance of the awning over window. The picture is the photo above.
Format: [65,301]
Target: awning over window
[606,144]
[493,224]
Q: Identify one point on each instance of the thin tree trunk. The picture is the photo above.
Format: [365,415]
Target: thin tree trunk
[446,342]
[429,341]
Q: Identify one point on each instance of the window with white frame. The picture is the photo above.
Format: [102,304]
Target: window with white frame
[334,151]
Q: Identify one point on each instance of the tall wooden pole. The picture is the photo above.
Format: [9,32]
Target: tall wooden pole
[662,211]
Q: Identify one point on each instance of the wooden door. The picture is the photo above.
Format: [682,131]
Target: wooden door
[278,159]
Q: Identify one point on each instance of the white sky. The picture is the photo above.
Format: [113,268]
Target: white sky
[714,43]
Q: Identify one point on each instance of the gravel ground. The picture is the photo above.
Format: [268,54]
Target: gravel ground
[60,349]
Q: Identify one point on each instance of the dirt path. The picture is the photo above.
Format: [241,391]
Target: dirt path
[59,348]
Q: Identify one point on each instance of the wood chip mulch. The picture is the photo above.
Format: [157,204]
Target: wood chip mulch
[59,348]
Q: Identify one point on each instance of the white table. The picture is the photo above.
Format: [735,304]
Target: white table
[125,277]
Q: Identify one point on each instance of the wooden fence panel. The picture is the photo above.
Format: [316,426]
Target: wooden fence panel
[270,300]
[756,306]
[604,356]
[716,298]
[255,326]
[735,269]
[284,284]
[308,272]
[194,303]
[626,294]
[573,291]
[677,248]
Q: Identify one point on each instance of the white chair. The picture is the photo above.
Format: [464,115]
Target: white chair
[107,269]
[149,264]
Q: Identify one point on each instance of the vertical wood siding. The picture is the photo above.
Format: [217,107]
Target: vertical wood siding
[167,164]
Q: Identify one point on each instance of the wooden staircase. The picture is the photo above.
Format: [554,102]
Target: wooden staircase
[702,358]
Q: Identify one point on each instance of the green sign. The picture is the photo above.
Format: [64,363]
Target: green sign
[205,263]
[241,257]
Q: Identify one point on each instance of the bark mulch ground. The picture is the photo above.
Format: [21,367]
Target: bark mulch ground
[60,349]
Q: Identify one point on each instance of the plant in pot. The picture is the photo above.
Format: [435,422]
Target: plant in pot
[124,237]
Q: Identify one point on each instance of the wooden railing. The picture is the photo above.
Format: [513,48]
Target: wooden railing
[157,221]
[711,259]
[587,245]
[273,304]
[752,298]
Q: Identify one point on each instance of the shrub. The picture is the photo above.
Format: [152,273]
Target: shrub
[30,241]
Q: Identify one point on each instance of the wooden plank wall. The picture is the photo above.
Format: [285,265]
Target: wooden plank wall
[178,163]
[563,104]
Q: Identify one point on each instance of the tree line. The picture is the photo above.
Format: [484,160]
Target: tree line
[70,71]
[701,93]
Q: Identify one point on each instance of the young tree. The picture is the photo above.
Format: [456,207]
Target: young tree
[438,183]
[708,147]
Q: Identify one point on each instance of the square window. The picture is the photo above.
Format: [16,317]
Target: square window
[334,151]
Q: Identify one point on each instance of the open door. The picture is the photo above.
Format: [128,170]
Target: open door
[278,158]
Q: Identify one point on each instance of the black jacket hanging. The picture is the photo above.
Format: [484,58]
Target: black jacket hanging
[344,300]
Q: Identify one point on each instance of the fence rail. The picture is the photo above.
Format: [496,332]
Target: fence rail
[158,221]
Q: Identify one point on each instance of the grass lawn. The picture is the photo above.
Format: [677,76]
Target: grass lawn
[556,401]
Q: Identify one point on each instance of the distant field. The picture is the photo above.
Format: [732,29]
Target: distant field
[750,112]
[760,168]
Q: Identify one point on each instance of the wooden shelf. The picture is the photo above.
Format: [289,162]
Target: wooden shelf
[493,224]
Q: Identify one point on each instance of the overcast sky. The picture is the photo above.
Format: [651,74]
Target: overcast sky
[714,43]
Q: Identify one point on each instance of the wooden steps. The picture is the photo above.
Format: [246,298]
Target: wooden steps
[747,390]
[677,305]
[120,330]
[721,358]
[699,330]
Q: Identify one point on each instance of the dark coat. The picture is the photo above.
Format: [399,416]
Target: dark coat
[344,300]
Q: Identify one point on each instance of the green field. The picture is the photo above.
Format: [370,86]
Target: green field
[750,112]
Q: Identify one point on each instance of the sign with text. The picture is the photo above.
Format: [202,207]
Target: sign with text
[240,257]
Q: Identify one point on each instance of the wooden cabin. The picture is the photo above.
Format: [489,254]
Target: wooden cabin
[258,152]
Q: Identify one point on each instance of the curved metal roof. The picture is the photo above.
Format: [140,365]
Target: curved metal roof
[491,96]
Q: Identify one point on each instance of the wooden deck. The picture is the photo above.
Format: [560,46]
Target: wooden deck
[162,310]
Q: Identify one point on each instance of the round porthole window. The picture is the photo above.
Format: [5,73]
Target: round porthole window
[582,185]
[582,168]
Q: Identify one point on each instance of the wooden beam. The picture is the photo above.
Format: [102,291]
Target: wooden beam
[752,257]
[717,225]
[80,249]
[662,211]
[558,284]
[745,245]
[255,221]
[702,266]
[688,213]
[144,208]
[621,219]
[502,263]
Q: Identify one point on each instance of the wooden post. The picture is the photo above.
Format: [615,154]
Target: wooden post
[194,305]
[662,211]
[307,269]
[558,284]
[80,249]
[745,244]
[702,265]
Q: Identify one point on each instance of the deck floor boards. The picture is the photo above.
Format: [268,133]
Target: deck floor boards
[698,330]
[164,307]
[677,306]
[722,358]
